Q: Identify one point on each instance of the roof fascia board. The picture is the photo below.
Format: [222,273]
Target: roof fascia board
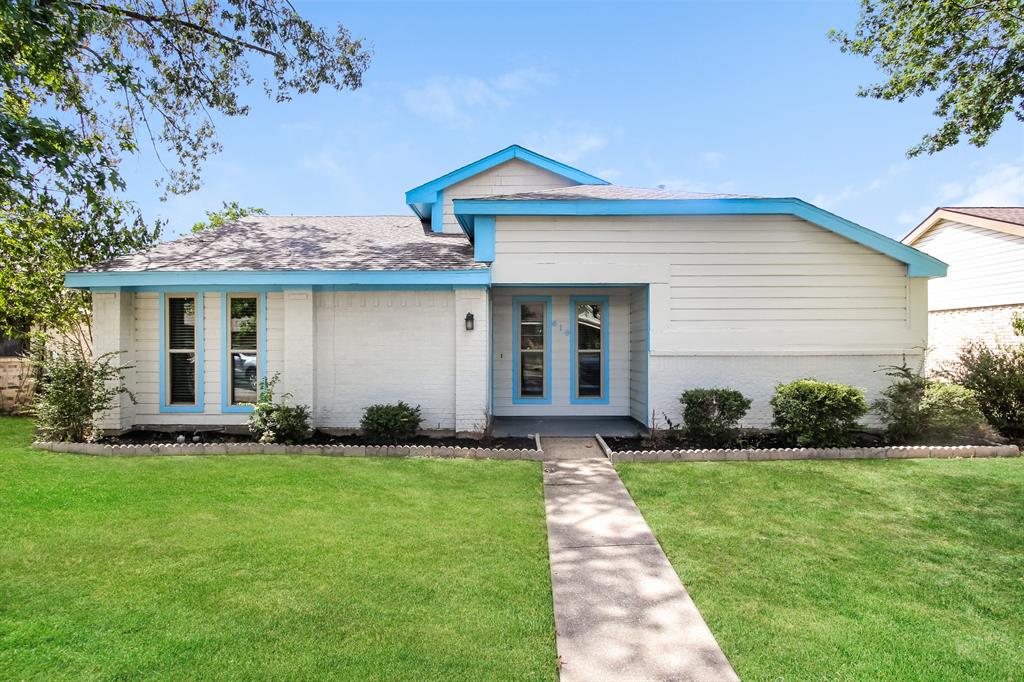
[276,278]
[919,264]
[941,214]
[427,192]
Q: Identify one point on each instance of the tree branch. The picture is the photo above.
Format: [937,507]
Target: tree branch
[169,20]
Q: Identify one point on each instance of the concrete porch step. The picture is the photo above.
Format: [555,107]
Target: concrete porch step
[558,448]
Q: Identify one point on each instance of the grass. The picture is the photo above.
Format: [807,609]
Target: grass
[872,570]
[270,567]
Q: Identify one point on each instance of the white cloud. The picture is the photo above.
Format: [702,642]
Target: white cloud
[712,159]
[569,144]
[999,185]
[1003,185]
[834,200]
[457,100]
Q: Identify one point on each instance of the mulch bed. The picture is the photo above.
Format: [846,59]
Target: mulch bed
[745,440]
[143,437]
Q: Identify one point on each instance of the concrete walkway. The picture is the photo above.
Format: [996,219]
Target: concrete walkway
[570,448]
[621,612]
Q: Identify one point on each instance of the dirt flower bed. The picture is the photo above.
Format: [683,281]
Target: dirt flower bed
[147,437]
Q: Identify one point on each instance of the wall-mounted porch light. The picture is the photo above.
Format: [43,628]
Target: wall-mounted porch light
[469,322]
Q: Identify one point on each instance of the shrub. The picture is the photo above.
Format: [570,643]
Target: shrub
[899,408]
[711,415]
[817,414]
[275,422]
[391,423]
[916,409]
[952,411]
[996,375]
[73,390]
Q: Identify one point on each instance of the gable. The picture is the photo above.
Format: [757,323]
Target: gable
[986,267]
[427,200]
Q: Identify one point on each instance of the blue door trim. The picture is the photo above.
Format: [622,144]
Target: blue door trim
[548,350]
[605,324]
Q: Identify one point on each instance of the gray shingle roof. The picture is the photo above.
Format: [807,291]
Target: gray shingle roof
[617,192]
[1007,214]
[306,243]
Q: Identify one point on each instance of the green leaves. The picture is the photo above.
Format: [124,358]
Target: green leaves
[970,53]
[84,83]
[229,213]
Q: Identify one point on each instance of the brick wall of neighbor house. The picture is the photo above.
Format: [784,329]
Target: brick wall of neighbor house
[15,384]
[949,330]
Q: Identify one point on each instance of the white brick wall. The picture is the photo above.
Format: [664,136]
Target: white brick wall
[113,332]
[949,330]
[471,360]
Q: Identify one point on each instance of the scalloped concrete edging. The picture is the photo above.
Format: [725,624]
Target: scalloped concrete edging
[752,454]
[195,449]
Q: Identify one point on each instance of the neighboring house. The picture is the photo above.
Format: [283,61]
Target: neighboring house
[984,289]
[517,286]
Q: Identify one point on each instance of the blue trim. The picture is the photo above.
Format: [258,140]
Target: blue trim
[919,264]
[483,241]
[548,349]
[647,362]
[437,213]
[605,324]
[200,405]
[261,348]
[426,193]
[242,279]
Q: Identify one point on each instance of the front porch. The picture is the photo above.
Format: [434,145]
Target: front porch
[569,360]
[571,427]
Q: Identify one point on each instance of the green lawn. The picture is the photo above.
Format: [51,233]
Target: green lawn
[270,567]
[895,570]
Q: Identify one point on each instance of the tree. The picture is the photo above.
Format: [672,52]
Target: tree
[85,82]
[39,247]
[971,52]
[229,213]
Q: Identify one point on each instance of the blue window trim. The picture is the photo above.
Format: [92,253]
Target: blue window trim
[919,264]
[261,347]
[647,361]
[605,323]
[200,405]
[517,301]
[247,279]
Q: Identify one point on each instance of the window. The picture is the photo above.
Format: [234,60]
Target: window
[589,349]
[181,350]
[243,349]
[532,349]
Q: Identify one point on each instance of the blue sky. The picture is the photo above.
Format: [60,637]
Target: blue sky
[736,97]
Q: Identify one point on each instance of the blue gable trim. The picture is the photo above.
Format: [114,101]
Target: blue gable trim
[919,264]
[237,280]
[427,200]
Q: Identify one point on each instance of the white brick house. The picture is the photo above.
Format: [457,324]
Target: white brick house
[518,286]
[984,289]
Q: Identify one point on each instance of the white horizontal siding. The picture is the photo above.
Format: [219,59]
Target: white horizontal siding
[986,268]
[719,283]
[510,177]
